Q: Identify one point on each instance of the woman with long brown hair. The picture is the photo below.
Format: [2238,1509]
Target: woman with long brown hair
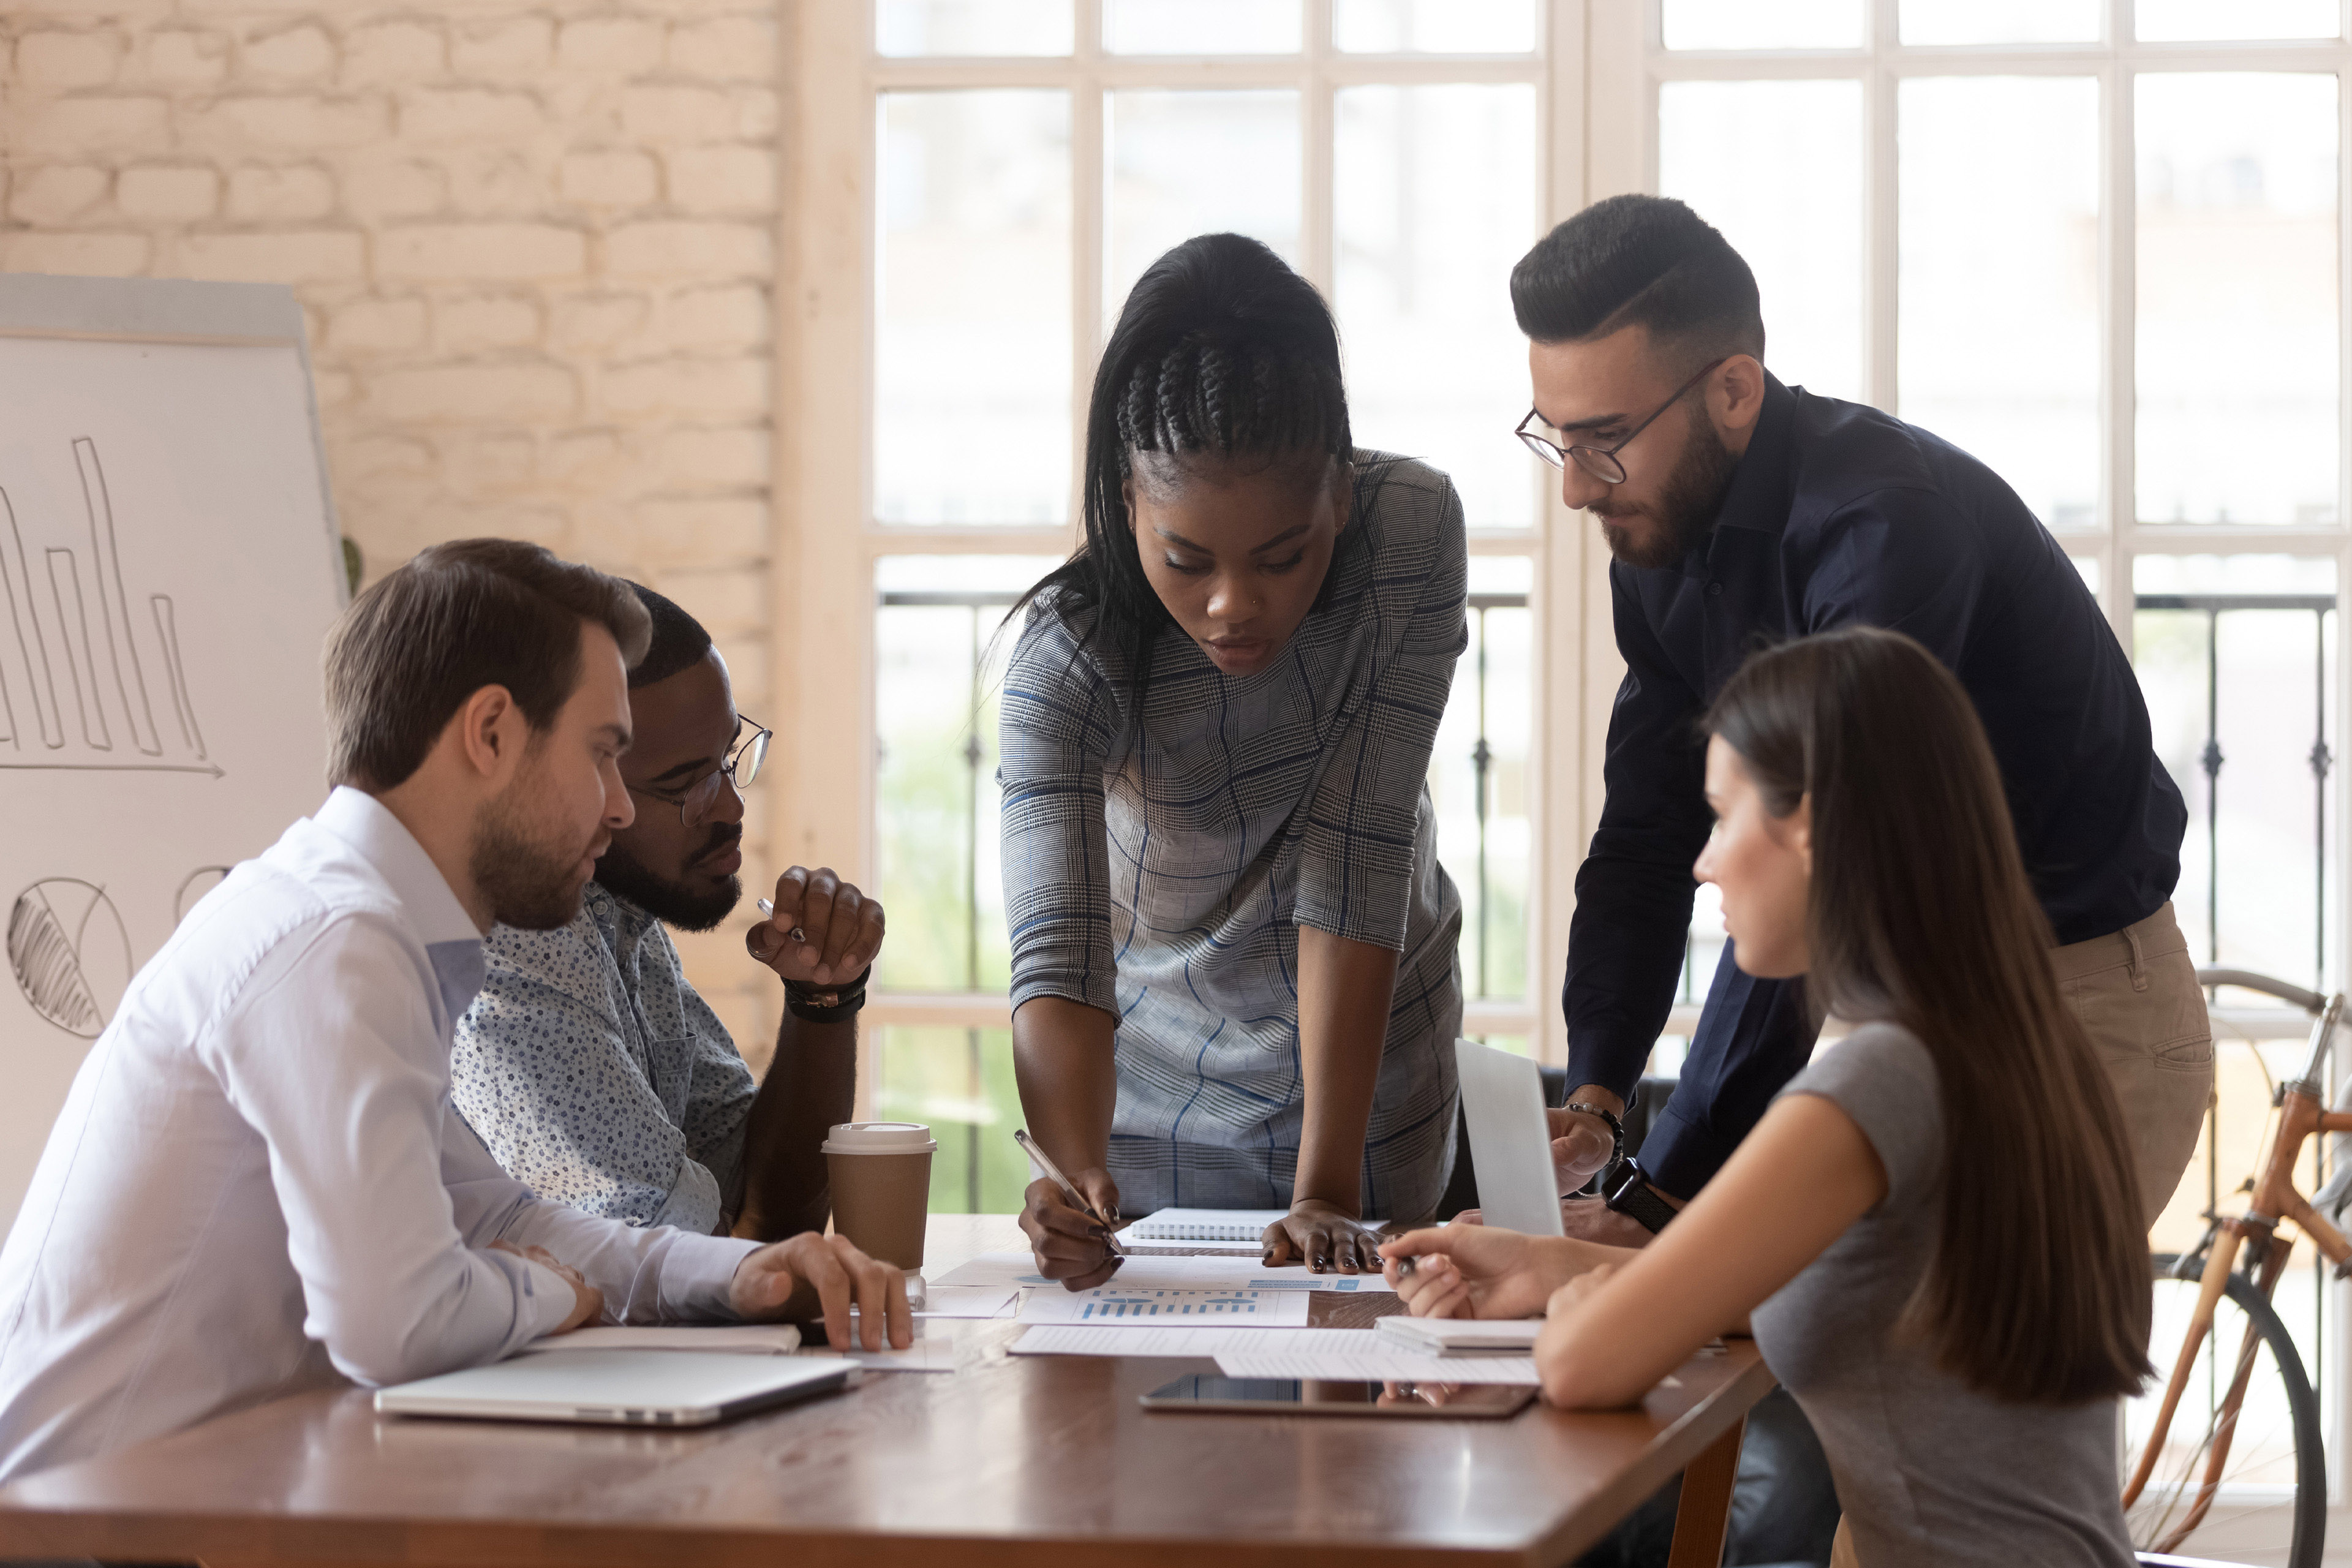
[1937,1227]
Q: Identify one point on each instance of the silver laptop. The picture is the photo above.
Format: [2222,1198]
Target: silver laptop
[625,1388]
[1510,1140]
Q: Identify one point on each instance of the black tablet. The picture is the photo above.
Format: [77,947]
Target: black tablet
[1312,1396]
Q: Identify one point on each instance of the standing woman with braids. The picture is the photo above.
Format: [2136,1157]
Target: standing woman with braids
[1233,981]
[1936,1225]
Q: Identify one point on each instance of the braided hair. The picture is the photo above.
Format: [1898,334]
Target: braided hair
[1222,352]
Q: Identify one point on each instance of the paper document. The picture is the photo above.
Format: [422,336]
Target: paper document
[1056,1339]
[1213,1230]
[1460,1336]
[1378,1365]
[970,1301]
[1164,1273]
[743,1339]
[1123,1307]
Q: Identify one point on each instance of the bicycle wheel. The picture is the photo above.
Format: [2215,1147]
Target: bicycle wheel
[2270,1450]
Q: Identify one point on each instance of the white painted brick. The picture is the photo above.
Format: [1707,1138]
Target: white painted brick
[608,44]
[734,317]
[377,326]
[497,182]
[717,459]
[443,393]
[496,321]
[759,111]
[596,321]
[394,187]
[382,458]
[301,257]
[729,48]
[290,54]
[393,51]
[259,194]
[56,195]
[294,123]
[590,459]
[730,598]
[184,57]
[689,250]
[704,528]
[469,114]
[722,179]
[696,388]
[93,255]
[502,50]
[678,113]
[60,61]
[167,193]
[610,179]
[333,387]
[458,252]
[80,127]
[487,464]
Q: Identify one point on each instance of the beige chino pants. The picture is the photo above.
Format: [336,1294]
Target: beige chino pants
[2136,996]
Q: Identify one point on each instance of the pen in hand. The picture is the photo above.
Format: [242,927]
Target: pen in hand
[769,910]
[1053,1173]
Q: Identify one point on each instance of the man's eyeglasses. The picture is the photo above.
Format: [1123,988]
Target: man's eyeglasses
[695,802]
[1601,462]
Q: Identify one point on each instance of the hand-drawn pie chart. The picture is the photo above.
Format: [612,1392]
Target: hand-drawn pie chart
[70,955]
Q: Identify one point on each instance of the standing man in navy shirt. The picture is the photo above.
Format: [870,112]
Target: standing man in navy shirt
[1741,511]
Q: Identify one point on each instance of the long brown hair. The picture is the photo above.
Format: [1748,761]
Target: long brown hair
[1920,913]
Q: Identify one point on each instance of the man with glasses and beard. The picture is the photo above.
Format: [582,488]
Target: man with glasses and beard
[592,1067]
[1741,511]
[256,1186]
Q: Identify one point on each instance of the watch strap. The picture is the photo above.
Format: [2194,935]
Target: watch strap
[1616,1128]
[1628,1191]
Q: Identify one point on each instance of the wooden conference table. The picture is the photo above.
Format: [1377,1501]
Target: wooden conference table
[1023,1462]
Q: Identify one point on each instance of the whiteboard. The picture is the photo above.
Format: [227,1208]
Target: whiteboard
[169,567]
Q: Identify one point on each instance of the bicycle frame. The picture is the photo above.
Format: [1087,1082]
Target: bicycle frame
[2302,1117]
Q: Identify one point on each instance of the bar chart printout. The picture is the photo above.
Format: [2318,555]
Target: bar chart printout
[1111,1306]
[91,675]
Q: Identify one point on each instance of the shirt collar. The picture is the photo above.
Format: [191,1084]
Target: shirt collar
[368,826]
[1758,496]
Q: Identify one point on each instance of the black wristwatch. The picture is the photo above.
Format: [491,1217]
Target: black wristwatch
[1626,1190]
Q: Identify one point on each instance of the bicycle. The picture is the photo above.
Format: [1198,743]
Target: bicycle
[2260,1434]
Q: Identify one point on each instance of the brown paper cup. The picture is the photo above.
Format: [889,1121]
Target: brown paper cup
[881,1174]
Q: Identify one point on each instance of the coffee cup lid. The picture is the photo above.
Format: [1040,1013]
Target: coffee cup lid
[880,1138]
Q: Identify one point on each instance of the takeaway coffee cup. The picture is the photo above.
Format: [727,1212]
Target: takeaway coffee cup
[881,1173]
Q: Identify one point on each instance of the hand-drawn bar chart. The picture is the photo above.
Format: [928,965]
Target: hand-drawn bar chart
[76,691]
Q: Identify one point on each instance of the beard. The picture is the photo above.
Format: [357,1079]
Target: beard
[674,903]
[1687,503]
[528,881]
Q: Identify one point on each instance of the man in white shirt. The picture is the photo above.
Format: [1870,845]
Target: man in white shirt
[256,1181]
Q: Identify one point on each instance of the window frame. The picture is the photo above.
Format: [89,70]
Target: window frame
[822,569]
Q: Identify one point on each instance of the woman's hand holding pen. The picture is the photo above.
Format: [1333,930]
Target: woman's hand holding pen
[1071,1245]
[1478,1271]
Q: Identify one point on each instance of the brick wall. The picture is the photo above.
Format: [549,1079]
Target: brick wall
[534,240]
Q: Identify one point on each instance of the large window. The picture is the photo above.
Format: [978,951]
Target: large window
[2101,246]
[992,177]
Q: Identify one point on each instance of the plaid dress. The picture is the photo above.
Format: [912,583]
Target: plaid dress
[1159,870]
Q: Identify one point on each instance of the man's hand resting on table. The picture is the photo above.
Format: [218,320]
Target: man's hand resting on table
[797,1278]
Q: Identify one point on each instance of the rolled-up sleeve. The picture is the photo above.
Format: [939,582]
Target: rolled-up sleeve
[1356,877]
[1055,728]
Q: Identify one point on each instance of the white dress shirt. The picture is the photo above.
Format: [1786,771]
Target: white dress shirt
[257,1182]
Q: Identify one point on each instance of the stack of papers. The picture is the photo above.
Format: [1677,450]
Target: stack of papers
[1119,1306]
[1239,1273]
[1201,1230]
[1460,1336]
[1342,1355]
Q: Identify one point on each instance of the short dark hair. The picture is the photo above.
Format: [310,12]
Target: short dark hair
[1646,261]
[679,640]
[459,616]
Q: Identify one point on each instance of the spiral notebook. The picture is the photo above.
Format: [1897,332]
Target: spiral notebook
[1199,1230]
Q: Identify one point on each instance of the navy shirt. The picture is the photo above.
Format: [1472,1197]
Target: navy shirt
[1838,515]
